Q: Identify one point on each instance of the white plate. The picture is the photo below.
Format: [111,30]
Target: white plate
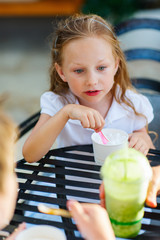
[41,232]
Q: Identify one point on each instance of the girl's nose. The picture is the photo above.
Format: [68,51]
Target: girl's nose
[91,78]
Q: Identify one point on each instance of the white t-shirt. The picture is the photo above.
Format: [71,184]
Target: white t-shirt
[119,116]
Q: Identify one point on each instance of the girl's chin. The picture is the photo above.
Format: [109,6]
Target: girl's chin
[89,102]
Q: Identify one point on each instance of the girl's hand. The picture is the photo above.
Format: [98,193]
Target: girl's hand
[89,117]
[141,141]
[15,233]
[92,220]
[154,187]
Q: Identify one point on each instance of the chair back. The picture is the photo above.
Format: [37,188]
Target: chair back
[155,124]
[140,40]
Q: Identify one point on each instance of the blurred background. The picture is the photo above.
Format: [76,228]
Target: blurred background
[26,28]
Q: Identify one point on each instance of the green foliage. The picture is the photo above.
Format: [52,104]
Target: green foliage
[113,10]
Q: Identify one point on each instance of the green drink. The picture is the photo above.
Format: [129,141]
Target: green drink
[126,174]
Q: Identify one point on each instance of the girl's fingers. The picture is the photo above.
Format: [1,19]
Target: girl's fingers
[92,120]
[100,122]
[132,141]
[144,150]
[85,121]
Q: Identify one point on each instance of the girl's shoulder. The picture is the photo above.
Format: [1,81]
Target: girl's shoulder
[50,103]
[137,98]
[51,100]
[49,95]
[141,104]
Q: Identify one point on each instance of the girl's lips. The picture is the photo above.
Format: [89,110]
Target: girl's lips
[92,93]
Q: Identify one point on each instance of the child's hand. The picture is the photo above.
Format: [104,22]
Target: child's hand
[92,220]
[102,195]
[154,188]
[141,141]
[20,228]
[89,117]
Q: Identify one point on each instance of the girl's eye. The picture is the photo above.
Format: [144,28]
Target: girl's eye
[101,68]
[78,70]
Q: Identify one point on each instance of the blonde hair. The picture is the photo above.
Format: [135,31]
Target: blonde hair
[7,139]
[82,26]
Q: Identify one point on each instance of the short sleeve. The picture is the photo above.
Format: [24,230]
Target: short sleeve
[142,106]
[50,103]
[148,109]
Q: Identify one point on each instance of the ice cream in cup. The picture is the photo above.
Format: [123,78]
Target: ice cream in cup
[117,139]
[41,232]
[126,174]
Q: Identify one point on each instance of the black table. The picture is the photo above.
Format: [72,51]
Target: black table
[68,173]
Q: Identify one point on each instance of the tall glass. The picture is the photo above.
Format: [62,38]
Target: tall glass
[126,174]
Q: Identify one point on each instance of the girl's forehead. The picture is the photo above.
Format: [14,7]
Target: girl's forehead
[85,41]
[87,49]
[90,37]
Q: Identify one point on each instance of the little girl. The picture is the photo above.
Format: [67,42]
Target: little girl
[90,89]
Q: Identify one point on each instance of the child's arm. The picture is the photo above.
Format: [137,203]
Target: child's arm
[48,128]
[141,141]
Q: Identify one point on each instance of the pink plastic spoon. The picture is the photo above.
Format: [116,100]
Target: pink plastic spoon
[103,138]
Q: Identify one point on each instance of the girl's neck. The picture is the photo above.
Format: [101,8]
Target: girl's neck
[103,106]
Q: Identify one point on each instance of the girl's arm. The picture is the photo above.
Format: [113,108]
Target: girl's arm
[43,136]
[48,128]
[141,141]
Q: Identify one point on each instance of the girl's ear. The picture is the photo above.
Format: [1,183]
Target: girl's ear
[60,72]
[116,65]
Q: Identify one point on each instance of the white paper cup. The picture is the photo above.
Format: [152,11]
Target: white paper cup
[118,139]
[41,232]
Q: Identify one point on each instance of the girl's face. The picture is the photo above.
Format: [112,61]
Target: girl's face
[88,66]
